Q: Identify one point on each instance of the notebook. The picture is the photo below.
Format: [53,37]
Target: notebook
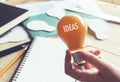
[10,16]
[43,62]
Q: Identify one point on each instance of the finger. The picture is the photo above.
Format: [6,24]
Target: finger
[68,64]
[69,70]
[88,65]
[95,52]
[76,66]
[81,67]
[81,75]
[72,71]
[91,58]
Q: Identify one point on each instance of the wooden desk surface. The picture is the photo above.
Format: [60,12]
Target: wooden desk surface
[110,48]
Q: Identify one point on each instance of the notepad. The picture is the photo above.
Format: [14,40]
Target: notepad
[10,16]
[43,62]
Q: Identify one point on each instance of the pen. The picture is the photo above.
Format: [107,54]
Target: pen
[13,61]
[12,49]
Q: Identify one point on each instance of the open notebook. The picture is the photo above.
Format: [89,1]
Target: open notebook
[43,62]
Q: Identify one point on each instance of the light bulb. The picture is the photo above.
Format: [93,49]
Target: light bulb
[72,30]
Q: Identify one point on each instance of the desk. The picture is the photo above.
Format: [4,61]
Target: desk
[110,48]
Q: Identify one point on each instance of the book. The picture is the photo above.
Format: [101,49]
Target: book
[11,36]
[10,16]
[43,62]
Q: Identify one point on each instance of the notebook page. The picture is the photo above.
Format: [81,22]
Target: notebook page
[44,62]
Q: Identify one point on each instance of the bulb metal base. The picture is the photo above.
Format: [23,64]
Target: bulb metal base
[77,58]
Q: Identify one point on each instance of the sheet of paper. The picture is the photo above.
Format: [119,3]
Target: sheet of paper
[37,8]
[90,5]
[40,25]
[99,27]
[44,62]
[15,35]
[42,7]
[2,0]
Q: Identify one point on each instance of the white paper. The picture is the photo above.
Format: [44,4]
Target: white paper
[44,62]
[99,27]
[37,8]
[2,0]
[56,12]
[40,25]
[15,35]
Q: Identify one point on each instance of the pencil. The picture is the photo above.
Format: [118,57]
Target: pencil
[12,62]
[12,49]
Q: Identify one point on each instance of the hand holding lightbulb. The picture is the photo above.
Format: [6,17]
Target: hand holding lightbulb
[72,30]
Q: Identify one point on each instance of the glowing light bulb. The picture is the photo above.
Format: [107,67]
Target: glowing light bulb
[72,30]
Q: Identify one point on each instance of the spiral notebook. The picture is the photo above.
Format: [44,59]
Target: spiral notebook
[43,62]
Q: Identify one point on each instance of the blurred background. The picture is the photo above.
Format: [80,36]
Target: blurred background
[23,1]
[112,1]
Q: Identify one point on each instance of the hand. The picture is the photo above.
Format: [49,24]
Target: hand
[96,70]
